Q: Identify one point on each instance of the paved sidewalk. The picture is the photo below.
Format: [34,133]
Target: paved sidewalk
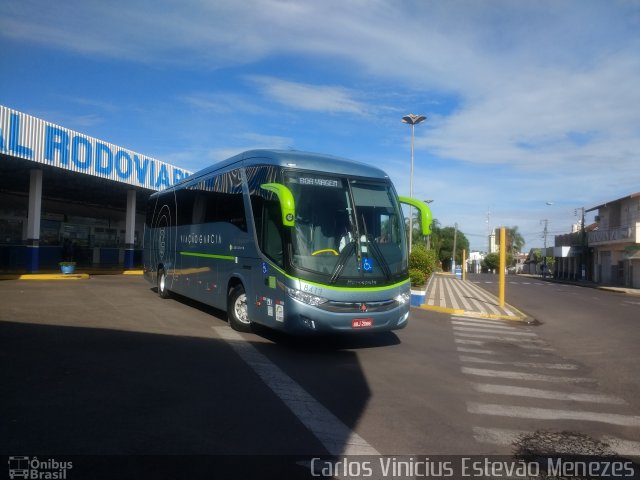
[448,294]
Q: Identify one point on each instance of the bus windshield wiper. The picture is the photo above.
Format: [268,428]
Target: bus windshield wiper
[375,249]
[347,251]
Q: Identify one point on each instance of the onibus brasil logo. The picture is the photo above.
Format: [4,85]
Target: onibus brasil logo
[34,468]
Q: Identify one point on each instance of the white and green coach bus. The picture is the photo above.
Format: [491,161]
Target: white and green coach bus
[294,241]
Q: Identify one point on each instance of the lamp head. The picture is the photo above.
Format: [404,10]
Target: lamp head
[412,119]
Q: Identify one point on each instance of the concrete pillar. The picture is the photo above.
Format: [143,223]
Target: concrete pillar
[33,220]
[130,229]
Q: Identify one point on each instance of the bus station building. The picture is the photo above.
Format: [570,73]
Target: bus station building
[65,196]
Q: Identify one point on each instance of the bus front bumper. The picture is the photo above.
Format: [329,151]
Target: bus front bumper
[306,319]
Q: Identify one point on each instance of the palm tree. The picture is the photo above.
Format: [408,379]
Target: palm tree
[515,239]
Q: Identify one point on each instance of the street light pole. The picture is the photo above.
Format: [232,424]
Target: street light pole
[412,120]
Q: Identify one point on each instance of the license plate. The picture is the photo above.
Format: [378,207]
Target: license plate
[362,323]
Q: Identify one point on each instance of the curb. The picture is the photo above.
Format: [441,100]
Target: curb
[437,308]
[434,308]
[64,276]
[54,276]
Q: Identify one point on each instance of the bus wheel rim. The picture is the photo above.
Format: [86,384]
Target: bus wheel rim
[240,309]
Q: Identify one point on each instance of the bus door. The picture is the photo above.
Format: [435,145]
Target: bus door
[271,236]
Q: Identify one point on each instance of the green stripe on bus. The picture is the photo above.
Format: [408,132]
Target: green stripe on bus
[353,289]
[208,255]
[333,287]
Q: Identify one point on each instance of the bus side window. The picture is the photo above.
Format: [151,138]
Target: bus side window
[271,243]
[184,206]
[218,198]
[267,216]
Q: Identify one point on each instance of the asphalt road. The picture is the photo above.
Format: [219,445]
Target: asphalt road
[105,367]
[598,328]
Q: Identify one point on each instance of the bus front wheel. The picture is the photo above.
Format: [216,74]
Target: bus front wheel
[163,291]
[237,310]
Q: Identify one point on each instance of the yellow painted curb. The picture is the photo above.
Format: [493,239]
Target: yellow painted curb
[54,276]
[132,272]
[454,311]
[493,316]
[437,308]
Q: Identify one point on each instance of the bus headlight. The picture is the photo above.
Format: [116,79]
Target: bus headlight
[305,297]
[403,298]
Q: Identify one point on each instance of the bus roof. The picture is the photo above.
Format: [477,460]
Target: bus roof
[294,159]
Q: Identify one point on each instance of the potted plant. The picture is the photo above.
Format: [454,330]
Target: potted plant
[418,290]
[67,267]
[421,265]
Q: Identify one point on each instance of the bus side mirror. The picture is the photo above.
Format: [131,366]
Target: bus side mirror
[287,204]
[425,213]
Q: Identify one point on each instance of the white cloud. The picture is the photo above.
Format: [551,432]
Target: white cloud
[251,141]
[546,92]
[317,98]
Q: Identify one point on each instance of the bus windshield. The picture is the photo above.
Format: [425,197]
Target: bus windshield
[348,231]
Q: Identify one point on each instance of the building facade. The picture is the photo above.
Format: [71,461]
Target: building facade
[616,242]
[67,196]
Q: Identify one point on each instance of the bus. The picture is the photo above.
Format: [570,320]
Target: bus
[299,242]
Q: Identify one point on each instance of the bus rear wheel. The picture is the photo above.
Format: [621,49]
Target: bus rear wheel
[237,310]
[163,291]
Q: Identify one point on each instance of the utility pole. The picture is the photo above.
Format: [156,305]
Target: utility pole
[488,231]
[453,255]
[544,255]
[583,245]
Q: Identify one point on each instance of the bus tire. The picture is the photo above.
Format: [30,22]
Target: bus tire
[163,291]
[237,310]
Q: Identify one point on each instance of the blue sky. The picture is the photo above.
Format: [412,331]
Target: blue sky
[528,102]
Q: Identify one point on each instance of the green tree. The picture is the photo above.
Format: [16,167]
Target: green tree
[421,260]
[515,243]
[515,240]
[444,246]
[491,261]
[417,236]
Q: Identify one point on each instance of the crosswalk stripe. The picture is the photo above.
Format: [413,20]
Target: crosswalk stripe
[504,337]
[476,323]
[486,296]
[493,330]
[497,436]
[462,341]
[536,377]
[547,394]
[552,414]
[550,366]
[524,346]
[456,292]
[539,348]
[468,298]
[471,317]
[475,350]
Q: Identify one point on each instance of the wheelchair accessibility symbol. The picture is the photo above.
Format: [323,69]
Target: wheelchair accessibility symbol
[367,264]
